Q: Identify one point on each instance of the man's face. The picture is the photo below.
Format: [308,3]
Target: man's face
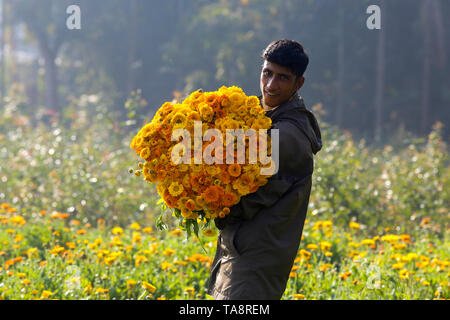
[278,84]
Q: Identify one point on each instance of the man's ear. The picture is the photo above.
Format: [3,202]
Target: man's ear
[299,83]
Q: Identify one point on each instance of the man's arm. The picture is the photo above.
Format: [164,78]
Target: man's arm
[294,147]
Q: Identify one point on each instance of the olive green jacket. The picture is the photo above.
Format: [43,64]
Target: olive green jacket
[259,239]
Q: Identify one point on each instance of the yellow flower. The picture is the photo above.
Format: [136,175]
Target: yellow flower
[139,259]
[209,233]
[179,120]
[131,284]
[398,266]
[325,245]
[149,287]
[45,294]
[168,252]
[298,296]
[135,226]
[312,246]
[305,254]
[166,265]
[117,231]
[368,242]
[236,99]
[354,225]
[176,232]
[175,189]
[147,230]
[324,267]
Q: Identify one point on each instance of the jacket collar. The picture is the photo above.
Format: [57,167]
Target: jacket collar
[291,110]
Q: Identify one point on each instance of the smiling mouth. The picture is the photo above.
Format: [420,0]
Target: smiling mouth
[270,94]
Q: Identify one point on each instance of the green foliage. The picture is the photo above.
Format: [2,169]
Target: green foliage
[72,186]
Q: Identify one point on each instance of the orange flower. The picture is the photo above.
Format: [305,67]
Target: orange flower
[211,194]
[228,199]
[190,204]
[170,201]
[225,177]
[224,101]
[234,169]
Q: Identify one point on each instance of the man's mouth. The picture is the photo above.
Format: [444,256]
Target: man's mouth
[270,94]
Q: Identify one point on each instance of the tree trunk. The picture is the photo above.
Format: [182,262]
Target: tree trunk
[340,67]
[425,107]
[51,79]
[131,79]
[380,75]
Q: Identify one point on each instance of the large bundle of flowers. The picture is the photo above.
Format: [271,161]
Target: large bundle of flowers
[187,182]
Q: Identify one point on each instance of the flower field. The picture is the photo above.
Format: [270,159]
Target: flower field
[74,224]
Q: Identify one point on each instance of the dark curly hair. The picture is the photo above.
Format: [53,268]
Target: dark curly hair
[289,54]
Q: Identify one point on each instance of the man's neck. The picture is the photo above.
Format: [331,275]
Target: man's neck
[267,108]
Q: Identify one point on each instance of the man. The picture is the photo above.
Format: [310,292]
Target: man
[259,238]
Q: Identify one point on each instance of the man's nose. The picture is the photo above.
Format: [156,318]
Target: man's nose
[271,83]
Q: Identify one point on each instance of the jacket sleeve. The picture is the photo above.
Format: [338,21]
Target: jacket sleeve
[293,152]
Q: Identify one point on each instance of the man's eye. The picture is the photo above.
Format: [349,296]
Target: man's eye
[266,73]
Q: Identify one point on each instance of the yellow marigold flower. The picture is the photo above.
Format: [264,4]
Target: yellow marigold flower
[391,238]
[70,245]
[404,274]
[209,233]
[345,275]
[368,242]
[252,101]
[117,231]
[206,112]
[135,226]
[26,282]
[56,250]
[179,120]
[325,245]
[175,189]
[305,254]
[354,225]
[166,265]
[131,284]
[237,99]
[136,238]
[139,259]
[168,252]
[176,232]
[17,220]
[45,294]
[399,246]
[147,230]
[101,291]
[312,246]
[398,266]
[298,296]
[324,267]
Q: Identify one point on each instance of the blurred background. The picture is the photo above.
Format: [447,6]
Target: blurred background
[380,85]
